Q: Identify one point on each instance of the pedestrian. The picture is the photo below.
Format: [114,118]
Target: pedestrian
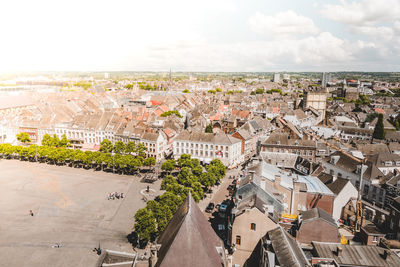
[31,212]
[122,195]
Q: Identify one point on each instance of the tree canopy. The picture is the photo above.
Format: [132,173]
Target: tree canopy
[192,177]
[209,129]
[23,137]
[170,113]
[379,131]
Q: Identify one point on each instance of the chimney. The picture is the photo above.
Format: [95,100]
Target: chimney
[386,254]
[277,182]
[153,256]
[339,251]
[296,186]
[334,159]
[251,176]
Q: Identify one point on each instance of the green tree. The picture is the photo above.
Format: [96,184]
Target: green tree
[149,162]
[23,137]
[64,142]
[207,179]
[106,146]
[130,147]
[209,128]
[379,131]
[168,165]
[170,113]
[55,141]
[186,91]
[119,147]
[167,181]
[46,140]
[141,150]
[145,224]
[260,91]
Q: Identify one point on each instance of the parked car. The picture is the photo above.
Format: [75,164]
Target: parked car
[222,210]
[210,207]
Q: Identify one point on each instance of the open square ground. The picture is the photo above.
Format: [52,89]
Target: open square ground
[70,208]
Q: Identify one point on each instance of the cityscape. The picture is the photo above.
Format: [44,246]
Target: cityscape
[269,137]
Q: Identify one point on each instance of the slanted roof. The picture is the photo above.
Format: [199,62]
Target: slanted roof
[356,255]
[287,250]
[317,213]
[189,240]
[337,186]
[251,195]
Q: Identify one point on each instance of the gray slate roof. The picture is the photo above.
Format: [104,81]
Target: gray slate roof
[287,250]
[356,255]
[317,213]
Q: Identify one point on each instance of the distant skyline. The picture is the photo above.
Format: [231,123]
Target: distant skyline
[207,35]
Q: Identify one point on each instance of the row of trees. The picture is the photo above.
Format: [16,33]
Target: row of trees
[170,113]
[125,164]
[151,221]
[119,147]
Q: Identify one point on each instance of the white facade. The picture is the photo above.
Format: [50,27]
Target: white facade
[348,191]
[206,151]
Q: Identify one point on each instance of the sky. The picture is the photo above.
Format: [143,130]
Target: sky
[206,35]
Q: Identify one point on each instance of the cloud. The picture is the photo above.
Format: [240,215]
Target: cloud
[381,33]
[286,23]
[363,12]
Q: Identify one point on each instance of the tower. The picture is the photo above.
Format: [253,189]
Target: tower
[326,78]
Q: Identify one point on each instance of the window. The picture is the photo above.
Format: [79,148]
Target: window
[238,239]
[253,226]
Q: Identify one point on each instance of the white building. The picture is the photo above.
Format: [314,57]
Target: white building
[277,78]
[344,191]
[209,146]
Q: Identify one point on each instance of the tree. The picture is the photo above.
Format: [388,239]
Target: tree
[259,91]
[64,142]
[207,179]
[106,146]
[23,137]
[379,131]
[209,128]
[130,147]
[168,165]
[46,140]
[167,181]
[170,113]
[141,150]
[186,91]
[55,141]
[145,224]
[149,162]
[119,147]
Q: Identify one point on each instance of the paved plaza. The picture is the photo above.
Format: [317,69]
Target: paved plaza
[70,208]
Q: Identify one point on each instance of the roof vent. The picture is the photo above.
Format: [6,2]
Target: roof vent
[339,251]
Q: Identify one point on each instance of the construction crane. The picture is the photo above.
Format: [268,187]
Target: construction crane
[359,208]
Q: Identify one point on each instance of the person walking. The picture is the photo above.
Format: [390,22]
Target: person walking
[31,212]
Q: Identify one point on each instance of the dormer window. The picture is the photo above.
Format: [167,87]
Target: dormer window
[358,171]
[388,163]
